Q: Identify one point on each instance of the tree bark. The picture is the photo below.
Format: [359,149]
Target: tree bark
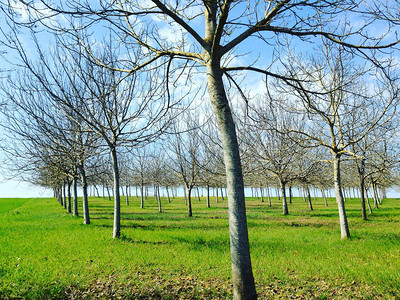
[141,195]
[159,199]
[284,200]
[64,201]
[75,203]
[69,182]
[344,227]
[117,200]
[269,197]
[189,201]
[208,196]
[307,188]
[242,274]
[85,204]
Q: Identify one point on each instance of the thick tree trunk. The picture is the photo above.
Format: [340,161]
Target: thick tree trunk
[284,200]
[290,194]
[75,203]
[344,227]
[117,200]
[85,204]
[242,273]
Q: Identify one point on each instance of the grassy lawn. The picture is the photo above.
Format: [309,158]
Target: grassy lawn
[47,253]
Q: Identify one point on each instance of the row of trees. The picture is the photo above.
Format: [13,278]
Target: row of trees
[117,95]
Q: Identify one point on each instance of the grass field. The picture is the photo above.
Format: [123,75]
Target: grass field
[46,253]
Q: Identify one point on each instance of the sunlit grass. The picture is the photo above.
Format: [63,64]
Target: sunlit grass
[47,253]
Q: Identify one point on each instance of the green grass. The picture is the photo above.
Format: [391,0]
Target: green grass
[46,253]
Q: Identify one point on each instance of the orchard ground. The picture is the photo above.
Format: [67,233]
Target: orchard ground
[46,253]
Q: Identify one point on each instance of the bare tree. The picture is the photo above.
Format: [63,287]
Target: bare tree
[331,95]
[228,25]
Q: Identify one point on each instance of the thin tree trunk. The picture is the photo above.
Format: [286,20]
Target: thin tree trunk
[344,227]
[141,195]
[369,204]
[117,202]
[127,196]
[216,199]
[374,194]
[159,199]
[75,203]
[185,195]
[222,194]
[261,194]
[169,200]
[189,201]
[284,201]
[307,189]
[208,196]
[269,197]
[64,196]
[85,205]
[324,196]
[198,194]
[290,194]
[69,210]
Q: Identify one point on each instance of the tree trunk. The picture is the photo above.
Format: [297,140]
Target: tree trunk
[189,201]
[117,202]
[269,197]
[208,196]
[159,199]
[307,188]
[185,195]
[216,199]
[141,195]
[261,194]
[374,193]
[222,194]
[242,273]
[324,196]
[69,210]
[284,201]
[169,199]
[64,201]
[127,196]
[198,194]
[369,204]
[290,194]
[75,203]
[362,189]
[344,227]
[85,204]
